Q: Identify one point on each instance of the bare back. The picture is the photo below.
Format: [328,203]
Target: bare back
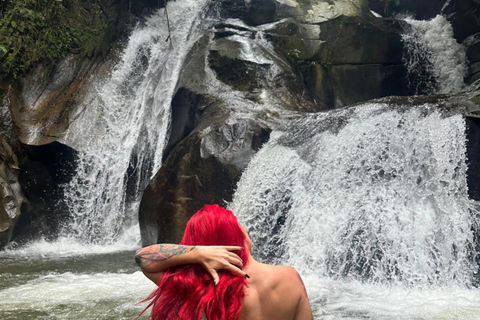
[274,293]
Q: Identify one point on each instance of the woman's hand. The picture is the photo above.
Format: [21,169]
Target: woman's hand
[214,258]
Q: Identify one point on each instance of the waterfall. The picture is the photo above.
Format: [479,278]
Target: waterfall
[122,133]
[372,194]
[435,61]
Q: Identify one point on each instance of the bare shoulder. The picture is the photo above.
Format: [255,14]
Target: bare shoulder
[286,276]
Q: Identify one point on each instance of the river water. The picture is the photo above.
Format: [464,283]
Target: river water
[42,282]
[70,285]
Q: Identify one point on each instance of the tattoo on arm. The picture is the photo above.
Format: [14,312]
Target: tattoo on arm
[160,252]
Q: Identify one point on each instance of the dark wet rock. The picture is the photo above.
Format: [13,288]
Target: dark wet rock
[231,9]
[243,75]
[346,40]
[204,168]
[11,196]
[305,11]
[227,103]
[464,15]
[341,85]
[263,11]
[472,45]
[473,149]
[473,72]
[42,172]
[185,104]
[421,10]
[345,60]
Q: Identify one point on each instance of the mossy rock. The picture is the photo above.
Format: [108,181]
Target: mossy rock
[44,31]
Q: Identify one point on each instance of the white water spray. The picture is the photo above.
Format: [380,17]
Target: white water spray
[366,194]
[123,132]
[434,57]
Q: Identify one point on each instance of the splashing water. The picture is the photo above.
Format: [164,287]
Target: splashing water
[122,134]
[434,59]
[363,199]
[383,197]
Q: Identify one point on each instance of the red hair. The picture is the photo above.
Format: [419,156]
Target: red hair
[187,292]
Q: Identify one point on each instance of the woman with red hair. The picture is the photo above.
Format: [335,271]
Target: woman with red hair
[216,247]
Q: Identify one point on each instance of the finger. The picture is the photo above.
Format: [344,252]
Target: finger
[235,260]
[214,275]
[232,248]
[237,270]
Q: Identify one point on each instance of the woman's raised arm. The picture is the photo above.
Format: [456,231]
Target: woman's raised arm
[155,259]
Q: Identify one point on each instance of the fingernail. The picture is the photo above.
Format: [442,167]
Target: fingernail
[247,276]
[214,284]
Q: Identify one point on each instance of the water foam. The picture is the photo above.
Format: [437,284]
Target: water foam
[122,134]
[433,57]
[65,247]
[369,194]
[77,296]
[370,205]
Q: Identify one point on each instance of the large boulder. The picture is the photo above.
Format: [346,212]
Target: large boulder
[303,11]
[41,102]
[204,168]
[341,85]
[241,82]
[11,196]
[421,10]
[464,17]
[227,102]
[345,60]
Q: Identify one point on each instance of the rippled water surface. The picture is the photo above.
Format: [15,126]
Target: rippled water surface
[57,283]
[85,286]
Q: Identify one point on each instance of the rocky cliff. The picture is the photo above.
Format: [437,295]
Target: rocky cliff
[257,64]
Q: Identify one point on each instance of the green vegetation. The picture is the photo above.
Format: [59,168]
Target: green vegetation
[34,31]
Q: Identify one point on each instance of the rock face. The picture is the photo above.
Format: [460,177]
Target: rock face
[11,196]
[242,81]
[226,104]
[309,12]
[259,63]
[472,44]
[464,17]
[346,60]
[42,102]
[43,171]
[421,10]
[36,110]
[203,168]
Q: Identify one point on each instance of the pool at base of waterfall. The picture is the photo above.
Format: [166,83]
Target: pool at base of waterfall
[71,286]
[68,285]
[332,300]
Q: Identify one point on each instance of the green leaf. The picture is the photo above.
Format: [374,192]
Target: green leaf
[14,24]
[3,49]
[397,2]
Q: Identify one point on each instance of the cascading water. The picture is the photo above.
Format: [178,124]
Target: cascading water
[364,200]
[89,271]
[122,134]
[435,61]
